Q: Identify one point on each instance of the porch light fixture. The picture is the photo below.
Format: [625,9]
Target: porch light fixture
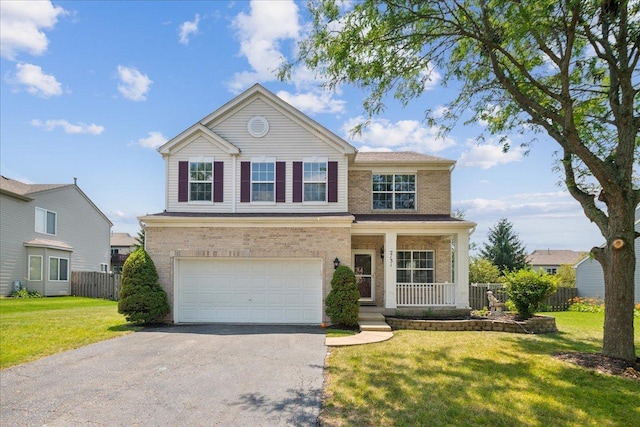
[382,252]
[336,263]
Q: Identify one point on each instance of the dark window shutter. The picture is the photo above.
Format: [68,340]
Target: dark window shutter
[218,182]
[245,181]
[280,181]
[297,182]
[183,181]
[332,184]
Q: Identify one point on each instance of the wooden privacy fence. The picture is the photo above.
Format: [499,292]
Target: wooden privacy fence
[559,301]
[95,284]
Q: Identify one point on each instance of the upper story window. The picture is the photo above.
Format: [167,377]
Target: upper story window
[394,191]
[263,181]
[200,181]
[415,267]
[315,181]
[45,221]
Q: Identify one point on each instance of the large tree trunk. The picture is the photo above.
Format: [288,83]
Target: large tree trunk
[618,264]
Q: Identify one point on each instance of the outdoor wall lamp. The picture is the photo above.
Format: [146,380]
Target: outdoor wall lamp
[382,252]
[336,263]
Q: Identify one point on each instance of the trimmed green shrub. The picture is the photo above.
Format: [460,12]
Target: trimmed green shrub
[24,293]
[527,289]
[142,300]
[342,302]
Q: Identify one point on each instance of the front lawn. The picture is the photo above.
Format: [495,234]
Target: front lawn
[423,378]
[38,327]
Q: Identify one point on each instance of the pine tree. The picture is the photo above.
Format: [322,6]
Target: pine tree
[504,249]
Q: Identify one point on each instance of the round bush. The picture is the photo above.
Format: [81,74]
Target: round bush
[142,300]
[342,302]
[527,289]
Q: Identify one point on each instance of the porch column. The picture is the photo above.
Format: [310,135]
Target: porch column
[390,239]
[462,269]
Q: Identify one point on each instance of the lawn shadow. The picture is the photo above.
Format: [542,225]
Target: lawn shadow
[299,408]
[518,383]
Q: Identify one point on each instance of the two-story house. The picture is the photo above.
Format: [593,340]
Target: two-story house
[262,203]
[122,244]
[47,230]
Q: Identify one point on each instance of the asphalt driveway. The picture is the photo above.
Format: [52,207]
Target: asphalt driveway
[201,375]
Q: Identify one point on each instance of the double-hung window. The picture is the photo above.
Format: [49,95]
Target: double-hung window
[58,269]
[394,191]
[263,181]
[45,221]
[201,181]
[315,181]
[35,268]
[415,267]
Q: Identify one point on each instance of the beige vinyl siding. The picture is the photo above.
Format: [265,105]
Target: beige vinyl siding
[200,147]
[79,225]
[17,219]
[288,140]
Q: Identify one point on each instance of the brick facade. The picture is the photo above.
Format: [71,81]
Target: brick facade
[433,190]
[164,244]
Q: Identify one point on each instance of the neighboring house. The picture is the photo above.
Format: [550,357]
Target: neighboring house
[262,202]
[550,260]
[590,277]
[46,231]
[122,244]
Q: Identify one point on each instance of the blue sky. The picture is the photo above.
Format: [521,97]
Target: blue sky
[90,89]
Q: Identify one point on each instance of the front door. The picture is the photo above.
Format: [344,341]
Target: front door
[363,262]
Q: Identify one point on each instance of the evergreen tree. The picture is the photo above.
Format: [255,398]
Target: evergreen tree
[504,249]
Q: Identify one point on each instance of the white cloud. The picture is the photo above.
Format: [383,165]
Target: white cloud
[314,103]
[404,135]
[154,140]
[133,84]
[70,128]
[486,156]
[260,33]
[36,81]
[189,28]
[22,24]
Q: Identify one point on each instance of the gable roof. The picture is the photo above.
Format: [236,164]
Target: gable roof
[193,132]
[554,257]
[27,192]
[399,157]
[122,239]
[258,91]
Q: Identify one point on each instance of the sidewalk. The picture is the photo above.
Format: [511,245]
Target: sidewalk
[373,328]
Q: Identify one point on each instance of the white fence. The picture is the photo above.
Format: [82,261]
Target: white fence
[425,294]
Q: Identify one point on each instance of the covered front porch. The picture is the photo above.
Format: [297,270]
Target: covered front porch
[412,265]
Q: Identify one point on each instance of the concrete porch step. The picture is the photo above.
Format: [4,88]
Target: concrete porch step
[371,321]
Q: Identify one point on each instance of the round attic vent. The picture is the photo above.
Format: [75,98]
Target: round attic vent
[258,126]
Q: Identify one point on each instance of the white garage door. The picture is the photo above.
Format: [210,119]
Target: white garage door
[249,291]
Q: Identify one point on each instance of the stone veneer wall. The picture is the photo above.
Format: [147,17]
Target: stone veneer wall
[164,244]
[534,325]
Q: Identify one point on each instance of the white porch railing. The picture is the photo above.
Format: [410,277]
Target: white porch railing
[425,294]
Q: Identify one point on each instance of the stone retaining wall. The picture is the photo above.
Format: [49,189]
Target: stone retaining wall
[534,325]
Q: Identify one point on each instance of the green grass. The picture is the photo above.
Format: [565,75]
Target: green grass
[423,378]
[336,332]
[38,327]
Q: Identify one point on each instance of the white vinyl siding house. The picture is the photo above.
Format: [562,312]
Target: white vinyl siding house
[284,210]
[27,214]
[590,277]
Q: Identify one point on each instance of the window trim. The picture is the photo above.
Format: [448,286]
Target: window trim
[412,268]
[46,214]
[104,267]
[393,191]
[316,160]
[58,269]
[273,182]
[209,160]
[29,278]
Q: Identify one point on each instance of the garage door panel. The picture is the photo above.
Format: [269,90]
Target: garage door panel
[249,291]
